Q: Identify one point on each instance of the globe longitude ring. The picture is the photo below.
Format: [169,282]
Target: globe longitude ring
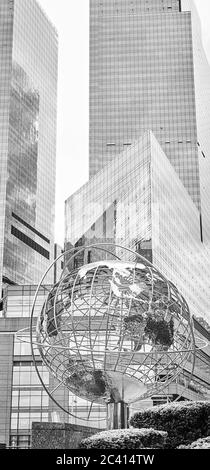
[113,330]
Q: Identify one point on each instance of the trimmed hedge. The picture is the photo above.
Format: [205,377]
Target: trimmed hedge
[185,422]
[199,444]
[126,439]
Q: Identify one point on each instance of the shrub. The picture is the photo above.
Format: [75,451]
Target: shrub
[199,444]
[126,439]
[184,422]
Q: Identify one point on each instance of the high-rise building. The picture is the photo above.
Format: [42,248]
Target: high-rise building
[202,100]
[142,77]
[28,101]
[149,191]
[58,267]
[139,202]
[148,70]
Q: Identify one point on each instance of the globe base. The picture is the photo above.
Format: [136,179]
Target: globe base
[117,415]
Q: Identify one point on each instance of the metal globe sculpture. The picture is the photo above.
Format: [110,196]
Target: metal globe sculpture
[114,331]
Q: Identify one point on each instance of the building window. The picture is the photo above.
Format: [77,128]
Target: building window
[23,420]
[29,398]
[20,300]
[23,347]
[20,441]
[83,409]
[24,374]
[30,402]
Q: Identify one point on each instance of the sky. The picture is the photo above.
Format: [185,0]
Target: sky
[71,18]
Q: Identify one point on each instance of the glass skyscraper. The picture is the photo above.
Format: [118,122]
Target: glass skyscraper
[202,99]
[149,186]
[28,100]
[142,77]
[139,202]
[28,104]
[148,70]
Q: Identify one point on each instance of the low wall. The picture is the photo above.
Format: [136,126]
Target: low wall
[59,435]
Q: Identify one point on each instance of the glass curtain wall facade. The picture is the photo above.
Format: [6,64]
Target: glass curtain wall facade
[142,77]
[202,96]
[149,185]
[28,44]
[138,201]
[148,70]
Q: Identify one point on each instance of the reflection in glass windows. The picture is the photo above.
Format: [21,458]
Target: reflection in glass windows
[22,347]
[20,441]
[29,399]
[22,158]
[83,409]
[24,374]
[28,143]
[30,402]
[24,420]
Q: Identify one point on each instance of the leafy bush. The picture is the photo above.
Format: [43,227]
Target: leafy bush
[199,444]
[126,439]
[184,422]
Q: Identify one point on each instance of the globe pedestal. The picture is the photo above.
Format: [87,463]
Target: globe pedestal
[117,415]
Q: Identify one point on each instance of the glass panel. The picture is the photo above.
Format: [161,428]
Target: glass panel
[36,399]
[14,421]
[14,398]
[24,399]
[45,417]
[45,399]
[24,423]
